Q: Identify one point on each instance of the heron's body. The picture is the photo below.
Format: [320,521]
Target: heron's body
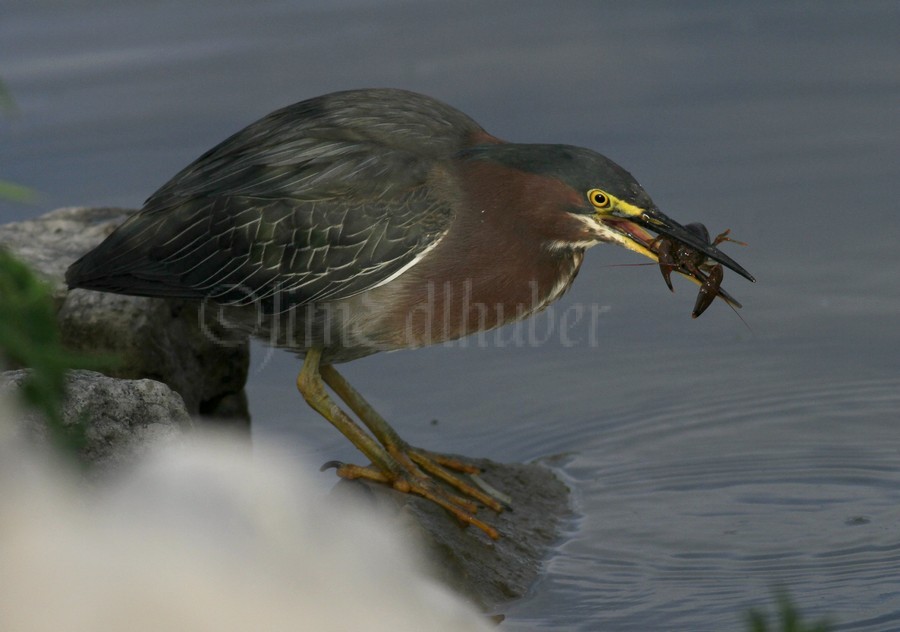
[374,220]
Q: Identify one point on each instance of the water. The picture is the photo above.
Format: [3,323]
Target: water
[710,462]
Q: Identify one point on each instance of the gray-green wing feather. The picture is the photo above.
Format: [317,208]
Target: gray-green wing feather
[317,201]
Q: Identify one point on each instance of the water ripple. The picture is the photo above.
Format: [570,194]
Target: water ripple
[696,508]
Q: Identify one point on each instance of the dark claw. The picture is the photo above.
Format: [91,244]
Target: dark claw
[666,270]
[666,260]
[709,289]
[332,464]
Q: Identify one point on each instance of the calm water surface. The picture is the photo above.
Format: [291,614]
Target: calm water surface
[711,460]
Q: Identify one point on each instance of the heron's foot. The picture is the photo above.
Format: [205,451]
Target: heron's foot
[437,477]
[495,499]
[415,481]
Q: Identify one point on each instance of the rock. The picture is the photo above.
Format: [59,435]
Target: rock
[122,418]
[488,572]
[164,340]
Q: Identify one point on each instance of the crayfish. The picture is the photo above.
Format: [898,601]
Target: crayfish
[679,257]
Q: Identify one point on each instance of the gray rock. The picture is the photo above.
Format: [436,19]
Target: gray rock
[164,340]
[122,418]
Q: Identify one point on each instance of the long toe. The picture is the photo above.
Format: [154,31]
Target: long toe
[440,466]
[421,485]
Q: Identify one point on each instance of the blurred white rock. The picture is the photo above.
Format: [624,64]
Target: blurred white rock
[210,535]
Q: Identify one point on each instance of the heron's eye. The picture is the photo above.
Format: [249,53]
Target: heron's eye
[598,198]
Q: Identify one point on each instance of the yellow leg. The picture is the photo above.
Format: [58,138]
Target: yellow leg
[310,385]
[392,458]
[398,448]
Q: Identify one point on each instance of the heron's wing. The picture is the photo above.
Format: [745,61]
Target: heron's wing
[317,201]
[240,249]
[280,253]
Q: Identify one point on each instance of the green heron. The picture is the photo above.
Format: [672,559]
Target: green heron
[375,220]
